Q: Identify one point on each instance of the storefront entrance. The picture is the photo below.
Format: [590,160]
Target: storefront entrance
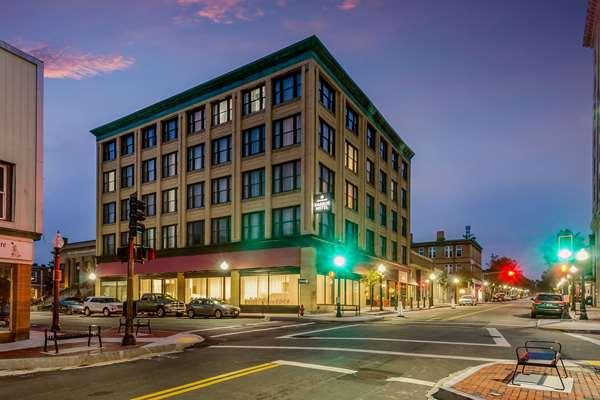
[6,297]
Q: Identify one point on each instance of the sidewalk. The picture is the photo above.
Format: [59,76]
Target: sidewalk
[492,381]
[29,355]
[592,325]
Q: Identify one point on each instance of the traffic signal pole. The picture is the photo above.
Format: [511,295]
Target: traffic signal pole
[129,338]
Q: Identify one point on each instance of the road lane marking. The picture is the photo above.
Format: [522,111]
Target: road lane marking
[474,313]
[263,329]
[231,327]
[177,390]
[499,339]
[315,366]
[587,339]
[411,380]
[401,340]
[317,330]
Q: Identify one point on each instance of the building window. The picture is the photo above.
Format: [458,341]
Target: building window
[382,246]
[124,209]
[169,164]
[394,251]
[326,181]
[253,100]
[382,214]
[220,230]
[253,141]
[394,221]
[404,227]
[221,150]
[127,144]
[383,149]
[287,88]
[421,251]
[448,251]
[327,288]
[287,131]
[404,198]
[370,137]
[221,190]
[351,120]
[169,236]
[370,241]
[127,175]
[326,95]
[404,255]
[108,244]
[195,157]
[370,206]
[393,190]
[195,120]
[124,239]
[351,196]
[326,138]
[253,226]
[286,221]
[195,233]
[459,251]
[382,181]
[149,170]
[150,200]
[432,252]
[404,170]
[253,184]
[351,160]
[149,137]
[169,201]
[351,230]
[286,177]
[370,172]
[109,213]
[109,179]
[205,288]
[195,195]
[326,225]
[109,150]
[269,289]
[149,238]
[395,164]
[221,111]
[169,130]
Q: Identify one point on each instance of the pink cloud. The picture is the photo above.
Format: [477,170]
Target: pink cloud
[66,64]
[347,5]
[223,11]
[305,26]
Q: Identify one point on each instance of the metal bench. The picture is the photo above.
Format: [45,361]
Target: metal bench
[539,353]
[356,309]
[138,323]
[56,336]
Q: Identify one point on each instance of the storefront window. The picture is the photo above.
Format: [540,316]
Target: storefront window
[116,289]
[194,287]
[215,287]
[283,289]
[5,296]
[327,290]
[170,287]
[151,286]
[207,287]
[255,289]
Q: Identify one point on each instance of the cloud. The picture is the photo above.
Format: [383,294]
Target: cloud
[347,5]
[305,26]
[223,11]
[67,64]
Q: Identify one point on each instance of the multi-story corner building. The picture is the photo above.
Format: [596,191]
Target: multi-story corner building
[21,92]
[269,170]
[78,262]
[458,257]
[591,39]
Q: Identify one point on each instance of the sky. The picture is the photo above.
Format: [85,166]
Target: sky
[494,97]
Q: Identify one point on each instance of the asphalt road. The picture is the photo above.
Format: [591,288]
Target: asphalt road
[397,358]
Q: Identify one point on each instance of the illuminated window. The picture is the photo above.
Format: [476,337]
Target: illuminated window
[195,121]
[221,111]
[169,164]
[351,196]
[253,100]
[351,160]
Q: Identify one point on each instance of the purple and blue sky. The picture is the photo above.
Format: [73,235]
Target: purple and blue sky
[494,97]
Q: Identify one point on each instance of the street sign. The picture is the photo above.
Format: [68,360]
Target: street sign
[303,281]
[322,203]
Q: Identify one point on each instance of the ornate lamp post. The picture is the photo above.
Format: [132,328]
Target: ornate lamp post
[57,243]
[381,271]
[432,278]
[456,281]
[573,270]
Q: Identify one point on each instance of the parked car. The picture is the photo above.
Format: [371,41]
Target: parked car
[499,297]
[102,304]
[159,304]
[467,300]
[71,305]
[548,304]
[211,307]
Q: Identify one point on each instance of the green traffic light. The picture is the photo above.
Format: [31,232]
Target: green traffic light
[339,261]
[565,254]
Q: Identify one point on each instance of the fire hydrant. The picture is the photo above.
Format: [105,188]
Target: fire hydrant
[301,310]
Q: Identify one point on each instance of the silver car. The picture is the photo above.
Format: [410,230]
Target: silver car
[210,308]
[102,305]
[467,300]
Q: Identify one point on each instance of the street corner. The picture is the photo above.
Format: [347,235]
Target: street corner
[495,381]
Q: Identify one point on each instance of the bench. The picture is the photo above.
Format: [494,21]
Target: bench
[55,336]
[540,353]
[138,323]
[356,309]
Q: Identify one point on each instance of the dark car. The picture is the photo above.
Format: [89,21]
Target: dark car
[548,304]
[211,307]
[71,305]
[159,304]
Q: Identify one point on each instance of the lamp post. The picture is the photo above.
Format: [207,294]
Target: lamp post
[485,290]
[582,256]
[456,281]
[381,270]
[57,243]
[573,270]
[431,279]
[224,266]
[339,262]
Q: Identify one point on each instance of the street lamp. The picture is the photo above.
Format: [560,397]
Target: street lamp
[456,281]
[224,266]
[432,278]
[92,276]
[58,244]
[381,270]
[339,262]
[572,271]
[565,254]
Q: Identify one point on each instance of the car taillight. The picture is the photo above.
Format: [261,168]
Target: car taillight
[537,302]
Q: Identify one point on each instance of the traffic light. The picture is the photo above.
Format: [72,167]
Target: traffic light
[339,261]
[137,213]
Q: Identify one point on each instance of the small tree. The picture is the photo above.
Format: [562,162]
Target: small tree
[443,282]
[370,279]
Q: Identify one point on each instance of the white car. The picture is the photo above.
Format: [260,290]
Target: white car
[466,300]
[101,304]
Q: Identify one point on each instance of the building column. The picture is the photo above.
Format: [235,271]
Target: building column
[235,288]
[308,270]
[97,287]
[22,301]
[180,286]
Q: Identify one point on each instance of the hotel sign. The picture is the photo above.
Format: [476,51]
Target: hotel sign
[15,249]
[322,203]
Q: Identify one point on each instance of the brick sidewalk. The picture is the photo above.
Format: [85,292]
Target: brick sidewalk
[491,383]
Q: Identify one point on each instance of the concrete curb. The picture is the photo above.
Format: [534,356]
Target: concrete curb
[18,366]
[443,388]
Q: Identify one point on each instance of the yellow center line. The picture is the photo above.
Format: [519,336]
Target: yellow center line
[475,312]
[163,394]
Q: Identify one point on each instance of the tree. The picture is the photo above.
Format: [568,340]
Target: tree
[443,282]
[370,279]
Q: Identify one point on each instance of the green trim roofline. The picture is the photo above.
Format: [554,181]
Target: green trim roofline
[308,48]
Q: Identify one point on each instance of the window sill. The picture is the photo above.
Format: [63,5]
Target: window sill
[169,141]
[252,114]
[222,124]
[292,101]
[288,147]
[253,156]
[262,197]
[203,130]
[221,164]
[288,192]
